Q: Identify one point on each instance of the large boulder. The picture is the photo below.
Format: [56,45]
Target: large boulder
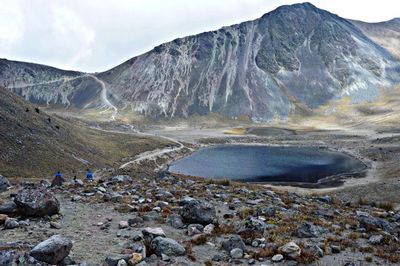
[196,211]
[251,227]
[4,184]
[167,246]
[52,250]
[36,202]
[373,223]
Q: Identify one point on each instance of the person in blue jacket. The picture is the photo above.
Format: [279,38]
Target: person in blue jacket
[58,174]
[89,175]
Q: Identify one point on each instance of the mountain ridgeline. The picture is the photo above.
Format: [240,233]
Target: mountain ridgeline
[291,60]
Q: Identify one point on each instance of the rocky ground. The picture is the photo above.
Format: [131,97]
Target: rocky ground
[122,220]
[133,216]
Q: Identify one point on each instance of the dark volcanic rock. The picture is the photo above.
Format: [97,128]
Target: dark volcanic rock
[232,243]
[52,250]
[6,257]
[36,202]
[310,230]
[175,221]
[251,227]
[8,207]
[374,223]
[195,211]
[4,183]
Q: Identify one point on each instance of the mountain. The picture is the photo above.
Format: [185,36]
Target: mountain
[386,34]
[47,85]
[291,60]
[35,144]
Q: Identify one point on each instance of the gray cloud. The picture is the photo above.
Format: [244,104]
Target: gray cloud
[96,35]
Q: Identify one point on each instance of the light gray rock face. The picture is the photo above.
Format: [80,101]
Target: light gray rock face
[167,246]
[52,250]
[291,60]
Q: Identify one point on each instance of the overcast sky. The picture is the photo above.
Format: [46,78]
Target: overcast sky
[95,35]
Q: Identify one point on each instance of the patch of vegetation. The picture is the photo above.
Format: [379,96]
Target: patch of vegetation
[388,206]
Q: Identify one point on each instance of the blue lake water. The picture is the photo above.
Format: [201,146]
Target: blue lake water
[255,163]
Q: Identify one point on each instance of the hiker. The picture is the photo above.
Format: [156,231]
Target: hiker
[58,179]
[89,175]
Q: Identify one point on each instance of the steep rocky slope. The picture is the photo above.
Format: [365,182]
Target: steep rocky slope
[46,85]
[36,144]
[291,60]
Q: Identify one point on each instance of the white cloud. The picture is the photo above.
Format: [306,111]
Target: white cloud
[11,23]
[74,37]
[97,35]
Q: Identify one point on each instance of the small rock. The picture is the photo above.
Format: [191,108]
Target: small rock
[375,239]
[175,221]
[236,253]
[153,232]
[209,229]
[251,261]
[194,229]
[122,263]
[325,199]
[291,250]
[11,223]
[135,259]
[4,184]
[121,179]
[165,257]
[135,221]
[123,225]
[52,250]
[335,249]
[277,258]
[233,242]
[55,225]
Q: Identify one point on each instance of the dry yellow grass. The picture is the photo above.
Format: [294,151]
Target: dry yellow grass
[236,131]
